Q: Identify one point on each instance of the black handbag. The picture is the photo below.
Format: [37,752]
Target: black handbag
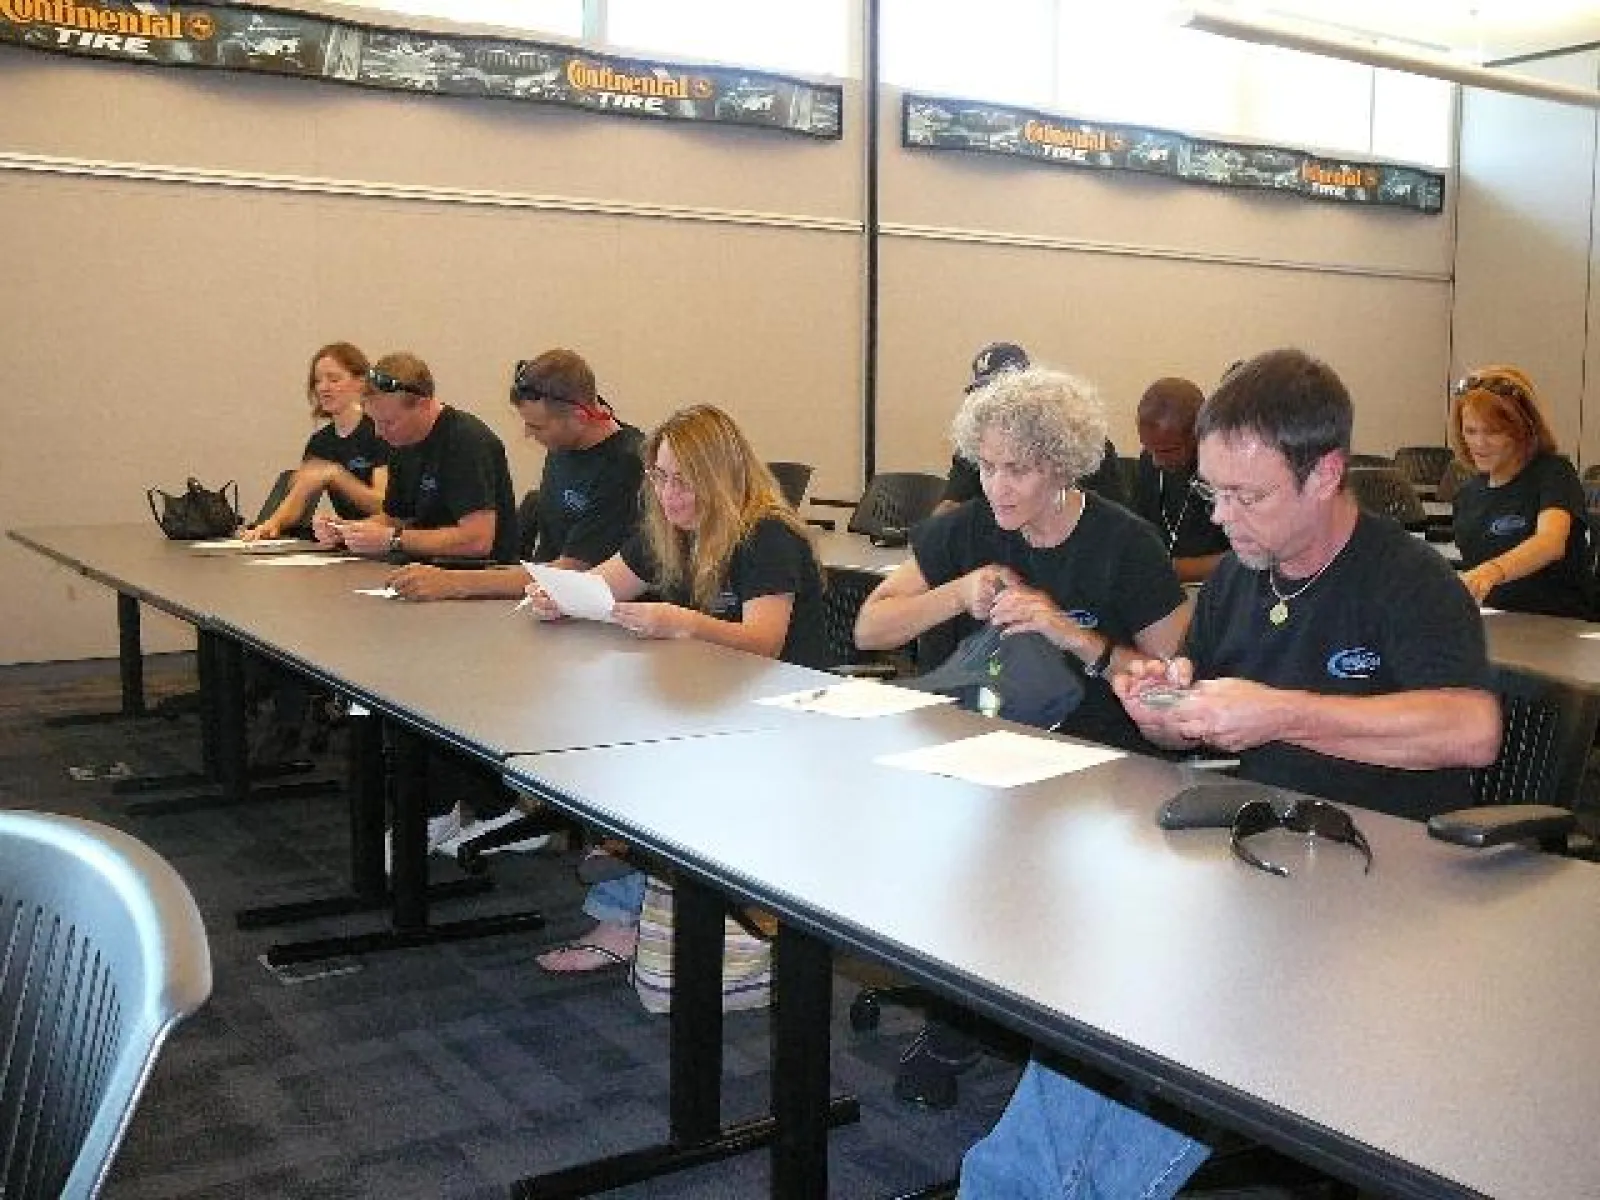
[197,512]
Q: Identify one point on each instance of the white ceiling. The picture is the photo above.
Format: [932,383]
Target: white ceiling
[1477,30]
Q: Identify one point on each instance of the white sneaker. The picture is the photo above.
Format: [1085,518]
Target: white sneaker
[526,846]
[441,830]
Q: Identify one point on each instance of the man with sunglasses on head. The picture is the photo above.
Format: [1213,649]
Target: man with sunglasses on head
[449,494]
[588,494]
[1333,654]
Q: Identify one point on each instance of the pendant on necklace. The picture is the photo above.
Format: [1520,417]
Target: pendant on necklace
[1278,613]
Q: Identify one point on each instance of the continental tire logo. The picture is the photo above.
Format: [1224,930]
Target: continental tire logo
[89,18]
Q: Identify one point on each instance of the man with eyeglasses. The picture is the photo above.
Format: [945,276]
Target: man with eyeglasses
[449,494]
[588,493]
[1167,464]
[1332,654]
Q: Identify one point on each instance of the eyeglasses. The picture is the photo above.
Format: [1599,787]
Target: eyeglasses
[663,480]
[386,382]
[1317,818]
[1508,389]
[524,390]
[1238,497]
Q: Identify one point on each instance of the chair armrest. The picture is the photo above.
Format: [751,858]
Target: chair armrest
[1496,824]
[822,523]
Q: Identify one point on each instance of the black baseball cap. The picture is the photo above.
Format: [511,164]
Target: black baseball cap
[994,358]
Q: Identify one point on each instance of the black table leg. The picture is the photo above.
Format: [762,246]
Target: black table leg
[130,671]
[697,1135]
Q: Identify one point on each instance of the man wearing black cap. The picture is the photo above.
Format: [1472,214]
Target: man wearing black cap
[962,483]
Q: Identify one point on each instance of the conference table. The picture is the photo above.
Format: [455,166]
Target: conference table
[1422,1030]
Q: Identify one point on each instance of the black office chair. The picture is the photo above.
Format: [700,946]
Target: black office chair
[793,478]
[528,524]
[1369,460]
[1386,492]
[1450,482]
[895,500]
[1423,466]
[1591,474]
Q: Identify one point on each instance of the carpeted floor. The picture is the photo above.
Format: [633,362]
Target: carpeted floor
[447,1071]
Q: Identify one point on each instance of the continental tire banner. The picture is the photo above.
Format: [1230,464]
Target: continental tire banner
[940,124]
[282,43]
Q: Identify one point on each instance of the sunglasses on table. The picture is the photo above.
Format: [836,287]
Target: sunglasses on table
[524,390]
[1316,818]
[1504,388]
[385,382]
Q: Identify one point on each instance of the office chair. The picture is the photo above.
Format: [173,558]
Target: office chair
[105,954]
[1423,466]
[1450,482]
[895,500]
[528,524]
[1386,492]
[1369,460]
[793,478]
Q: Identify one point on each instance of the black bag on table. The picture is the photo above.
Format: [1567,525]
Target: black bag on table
[197,512]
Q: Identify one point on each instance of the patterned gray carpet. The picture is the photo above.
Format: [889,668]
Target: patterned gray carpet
[446,1071]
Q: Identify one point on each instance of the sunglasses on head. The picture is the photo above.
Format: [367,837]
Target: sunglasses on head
[1506,388]
[385,382]
[524,390]
[1316,818]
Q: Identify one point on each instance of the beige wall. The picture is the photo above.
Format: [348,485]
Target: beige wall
[188,238]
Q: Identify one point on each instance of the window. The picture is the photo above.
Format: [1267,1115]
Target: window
[811,38]
[1003,50]
[561,17]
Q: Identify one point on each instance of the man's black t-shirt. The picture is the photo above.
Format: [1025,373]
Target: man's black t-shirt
[1183,519]
[361,453]
[963,483]
[589,499]
[1387,615]
[1491,520]
[771,560]
[459,468]
[1111,575]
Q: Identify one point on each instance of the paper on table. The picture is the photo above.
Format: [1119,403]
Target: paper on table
[1002,758]
[383,593]
[303,560]
[576,593]
[856,698]
[257,546]
[1486,611]
[1591,636]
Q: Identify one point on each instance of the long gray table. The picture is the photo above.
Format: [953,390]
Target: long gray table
[1554,647]
[1426,1029]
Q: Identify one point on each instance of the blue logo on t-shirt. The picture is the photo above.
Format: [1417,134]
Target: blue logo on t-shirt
[1356,663]
[573,500]
[1511,523]
[359,463]
[1084,618]
[428,483]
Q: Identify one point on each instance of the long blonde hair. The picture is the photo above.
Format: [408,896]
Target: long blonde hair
[733,491]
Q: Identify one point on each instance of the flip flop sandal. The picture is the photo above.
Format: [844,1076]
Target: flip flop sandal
[603,960]
[599,866]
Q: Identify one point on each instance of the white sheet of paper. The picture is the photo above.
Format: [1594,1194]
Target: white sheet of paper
[1002,758]
[1486,611]
[383,593]
[1591,636]
[576,593]
[856,699]
[260,545]
[312,559]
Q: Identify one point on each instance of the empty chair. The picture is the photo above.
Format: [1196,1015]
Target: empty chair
[895,500]
[1450,482]
[793,478]
[104,953]
[1383,490]
[1591,474]
[1423,465]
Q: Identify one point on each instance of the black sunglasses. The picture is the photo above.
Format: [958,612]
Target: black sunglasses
[1506,388]
[1316,818]
[386,382]
[524,389]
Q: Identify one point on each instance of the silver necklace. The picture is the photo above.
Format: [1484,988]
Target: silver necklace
[1183,511]
[1279,612]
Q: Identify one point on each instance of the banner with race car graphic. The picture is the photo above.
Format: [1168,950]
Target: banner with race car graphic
[285,43]
[934,122]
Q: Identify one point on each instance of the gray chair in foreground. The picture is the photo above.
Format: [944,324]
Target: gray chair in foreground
[102,952]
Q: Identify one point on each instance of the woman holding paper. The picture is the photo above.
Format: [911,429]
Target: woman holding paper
[732,564]
[344,458]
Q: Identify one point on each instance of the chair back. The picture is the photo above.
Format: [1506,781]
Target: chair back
[895,500]
[847,590]
[1450,482]
[1383,490]
[1591,473]
[1547,729]
[102,952]
[275,496]
[1423,465]
[528,524]
[1368,460]
[793,478]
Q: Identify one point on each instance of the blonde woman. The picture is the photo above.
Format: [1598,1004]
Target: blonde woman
[344,458]
[731,564]
[1520,523]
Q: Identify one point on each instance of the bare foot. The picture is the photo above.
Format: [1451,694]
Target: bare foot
[608,944]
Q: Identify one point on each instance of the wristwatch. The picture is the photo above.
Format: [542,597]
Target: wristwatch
[1099,666]
[395,546]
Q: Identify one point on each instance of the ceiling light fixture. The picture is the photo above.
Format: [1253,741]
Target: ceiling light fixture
[1209,18]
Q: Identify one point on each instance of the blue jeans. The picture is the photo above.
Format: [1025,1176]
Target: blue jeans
[617,900]
[1060,1140]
